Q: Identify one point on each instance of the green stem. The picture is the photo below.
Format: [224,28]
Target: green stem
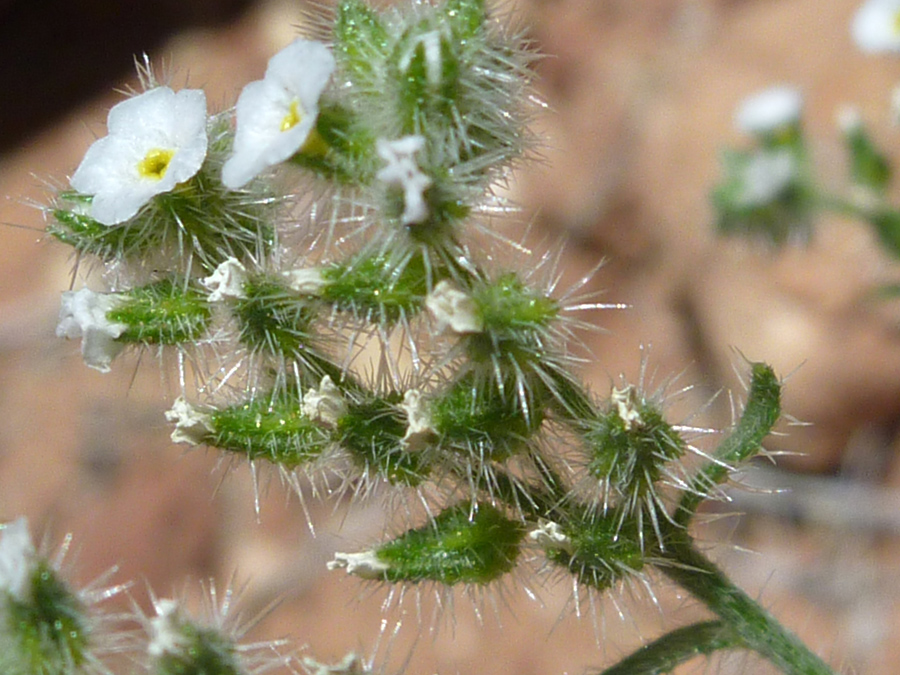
[760,415]
[754,627]
[664,654]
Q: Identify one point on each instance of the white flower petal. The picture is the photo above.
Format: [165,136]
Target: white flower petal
[875,26]
[227,281]
[453,309]
[191,425]
[294,80]
[419,430]
[83,314]
[766,176]
[157,122]
[16,557]
[769,110]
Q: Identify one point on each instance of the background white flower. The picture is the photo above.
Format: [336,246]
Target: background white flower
[83,314]
[769,110]
[275,115]
[876,26]
[156,140]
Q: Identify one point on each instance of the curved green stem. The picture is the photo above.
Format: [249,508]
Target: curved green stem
[760,415]
[664,654]
[753,626]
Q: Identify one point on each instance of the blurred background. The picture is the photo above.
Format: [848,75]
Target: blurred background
[640,101]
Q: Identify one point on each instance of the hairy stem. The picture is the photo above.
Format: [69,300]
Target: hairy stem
[664,654]
[753,626]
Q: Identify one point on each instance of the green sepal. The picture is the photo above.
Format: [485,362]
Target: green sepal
[630,444]
[381,288]
[49,624]
[273,318]
[340,148]
[465,17]
[463,544]
[602,548]
[869,167]
[201,651]
[372,431]
[473,418]
[886,222]
[271,428]
[73,227]
[361,41]
[761,412]
[517,320]
[162,313]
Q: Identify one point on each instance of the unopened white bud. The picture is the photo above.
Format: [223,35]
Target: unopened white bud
[365,565]
[227,281]
[191,425]
[325,404]
[454,310]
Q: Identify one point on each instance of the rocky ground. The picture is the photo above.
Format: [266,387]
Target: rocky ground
[640,99]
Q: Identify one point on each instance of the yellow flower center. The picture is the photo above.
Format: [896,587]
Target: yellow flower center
[895,24]
[155,163]
[293,117]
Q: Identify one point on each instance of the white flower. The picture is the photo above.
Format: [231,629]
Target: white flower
[876,26]
[156,140]
[83,314]
[765,177]
[365,565]
[769,110]
[227,281]
[453,309]
[275,115]
[325,404]
[191,425]
[402,171]
[16,557]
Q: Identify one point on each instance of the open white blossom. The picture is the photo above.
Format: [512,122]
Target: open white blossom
[191,425]
[227,281]
[453,309]
[83,314]
[769,111]
[325,404]
[766,176]
[365,565]
[155,141]
[402,171]
[275,115]
[876,26]
[16,557]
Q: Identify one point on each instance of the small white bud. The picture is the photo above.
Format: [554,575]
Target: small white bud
[453,309]
[191,426]
[365,565]
[625,401]
[419,431]
[307,280]
[227,281]
[83,314]
[550,536]
[325,404]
